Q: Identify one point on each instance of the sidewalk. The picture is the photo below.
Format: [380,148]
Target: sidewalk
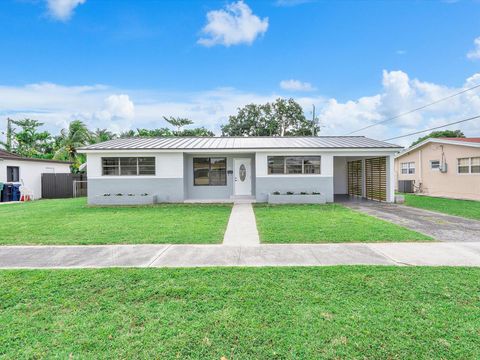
[423,254]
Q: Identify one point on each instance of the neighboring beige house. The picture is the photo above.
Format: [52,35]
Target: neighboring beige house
[444,167]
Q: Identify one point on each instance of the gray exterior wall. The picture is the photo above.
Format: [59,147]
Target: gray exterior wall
[267,185]
[213,192]
[166,189]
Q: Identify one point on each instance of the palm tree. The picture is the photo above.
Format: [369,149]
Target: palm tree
[77,135]
[101,135]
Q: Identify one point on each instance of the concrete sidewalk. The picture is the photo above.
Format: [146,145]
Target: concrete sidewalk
[423,254]
[242,226]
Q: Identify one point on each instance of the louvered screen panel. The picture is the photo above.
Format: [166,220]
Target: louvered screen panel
[376,178]
[354,174]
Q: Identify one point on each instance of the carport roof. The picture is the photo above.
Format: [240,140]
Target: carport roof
[227,143]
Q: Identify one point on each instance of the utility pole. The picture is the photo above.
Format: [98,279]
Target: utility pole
[9,135]
[313,120]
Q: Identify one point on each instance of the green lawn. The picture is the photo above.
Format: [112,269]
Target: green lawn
[465,208]
[71,221]
[325,223]
[241,313]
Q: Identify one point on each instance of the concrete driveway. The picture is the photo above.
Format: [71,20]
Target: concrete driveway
[439,226]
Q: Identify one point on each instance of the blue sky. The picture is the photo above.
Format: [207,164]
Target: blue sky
[123,64]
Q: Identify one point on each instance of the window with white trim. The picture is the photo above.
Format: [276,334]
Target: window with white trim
[468,165]
[434,164]
[407,167]
[294,165]
[128,166]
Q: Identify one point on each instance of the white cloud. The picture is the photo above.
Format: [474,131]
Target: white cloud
[401,52]
[62,9]
[475,53]
[236,24]
[401,94]
[296,85]
[122,109]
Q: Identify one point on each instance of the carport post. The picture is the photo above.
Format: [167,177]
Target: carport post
[391,178]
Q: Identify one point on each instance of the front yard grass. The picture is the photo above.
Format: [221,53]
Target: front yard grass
[241,313]
[72,222]
[464,208]
[331,223]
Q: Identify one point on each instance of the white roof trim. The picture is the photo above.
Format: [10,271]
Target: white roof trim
[438,141]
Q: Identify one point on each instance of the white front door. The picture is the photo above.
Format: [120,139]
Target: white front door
[243,176]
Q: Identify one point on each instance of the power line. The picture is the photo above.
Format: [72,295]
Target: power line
[416,109]
[434,128]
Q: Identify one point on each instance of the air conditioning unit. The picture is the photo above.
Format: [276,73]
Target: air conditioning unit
[443,167]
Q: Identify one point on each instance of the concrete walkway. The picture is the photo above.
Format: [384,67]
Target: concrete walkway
[431,254]
[242,227]
[441,227]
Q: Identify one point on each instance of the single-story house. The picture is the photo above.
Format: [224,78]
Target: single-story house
[444,167]
[178,169]
[17,169]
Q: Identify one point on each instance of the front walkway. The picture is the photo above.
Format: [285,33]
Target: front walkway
[441,227]
[423,254]
[242,226]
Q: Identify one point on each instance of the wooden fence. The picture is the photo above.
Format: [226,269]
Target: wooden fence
[59,186]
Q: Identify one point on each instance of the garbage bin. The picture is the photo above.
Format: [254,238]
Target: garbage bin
[16,192]
[7,192]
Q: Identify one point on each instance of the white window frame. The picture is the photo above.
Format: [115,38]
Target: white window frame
[407,168]
[469,166]
[437,168]
[303,158]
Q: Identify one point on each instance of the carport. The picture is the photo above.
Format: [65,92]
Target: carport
[369,177]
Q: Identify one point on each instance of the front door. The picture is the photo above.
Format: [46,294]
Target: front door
[243,176]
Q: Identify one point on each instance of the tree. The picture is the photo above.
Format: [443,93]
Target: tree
[201,131]
[77,135]
[178,122]
[439,134]
[284,117]
[28,141]
[100,135]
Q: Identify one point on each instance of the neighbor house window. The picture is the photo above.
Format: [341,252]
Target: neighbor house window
[434,164]
[408,167]
[128,166]
[210,171]
[293,165]
[469,165]
[13,174]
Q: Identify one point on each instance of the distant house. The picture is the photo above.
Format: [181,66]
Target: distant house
[17,169]
[445,167]
[227,168]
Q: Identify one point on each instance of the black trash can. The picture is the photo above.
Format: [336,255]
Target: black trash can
[7,193]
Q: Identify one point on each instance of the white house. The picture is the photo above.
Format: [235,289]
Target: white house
[225,168]
[18,169]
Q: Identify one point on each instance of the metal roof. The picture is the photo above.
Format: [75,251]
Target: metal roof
[228,143]
[5,155]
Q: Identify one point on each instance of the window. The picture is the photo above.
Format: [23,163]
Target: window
[128,166]
[469,165]
[306,165]
[408,168]
[434,164]
[209,171]
[13,174]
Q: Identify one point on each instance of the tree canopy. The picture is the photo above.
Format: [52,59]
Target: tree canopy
[27,139]
[440,134]
[283,117]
